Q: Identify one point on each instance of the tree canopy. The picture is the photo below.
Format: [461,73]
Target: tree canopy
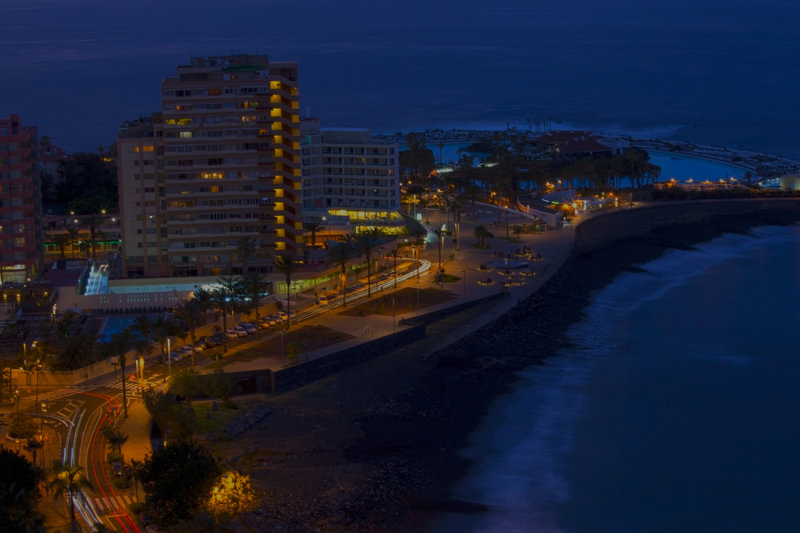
[177,481]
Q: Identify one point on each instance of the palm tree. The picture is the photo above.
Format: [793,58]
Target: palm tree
[134,469]
[120,344]
[69,480]
[162,330]
[394,253]
[73,232]
[313,228]
[339,254]
[286,265]
[143,325]
[482,235]
[246,248]
[440,237]
[366,241]
[115,437]
[191,313]
[255,285]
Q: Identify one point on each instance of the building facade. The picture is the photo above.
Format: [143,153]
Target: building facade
[212,184]
[21,248]
[348,173]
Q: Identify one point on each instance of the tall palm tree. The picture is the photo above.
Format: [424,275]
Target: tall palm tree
[246,249]
[313,228]
[121,342]
[69,480]
[339,254]
[255,285]
[115,438]
[143,325]
[394,253]
[286,265]
[366,241]
[134,469]
[162,330]
[73,232]
[191,313]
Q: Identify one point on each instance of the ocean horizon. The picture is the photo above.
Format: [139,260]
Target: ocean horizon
[694,71]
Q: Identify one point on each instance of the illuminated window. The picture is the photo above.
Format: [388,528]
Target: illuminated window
[214,92]
[214,188]
[278,193]
[275,113]
[280,246]
[146,148]
[178,121]
[211,175]
[185,135]
[277,139]
[281,232]
[279,207]
[248,118]
[278,152]
[274,85]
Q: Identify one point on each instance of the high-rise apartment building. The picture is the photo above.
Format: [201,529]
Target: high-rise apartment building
[348,173]
[212,184]
[21,248]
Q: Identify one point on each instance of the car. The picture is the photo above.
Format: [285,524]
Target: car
[231,333]
[218,338]
[240,331]
[323,300]
[249,327]
[199,346]
[175,357]
[185,349]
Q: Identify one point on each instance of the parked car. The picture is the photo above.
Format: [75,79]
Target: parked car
[240,331]
[323,300]
[231,333]
[218,338]
[248,327]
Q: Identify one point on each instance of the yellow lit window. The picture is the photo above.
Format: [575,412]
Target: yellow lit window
[278,193]
[178,121]
[296,146]
[298,185]
[277,139]
[211,175]
[248,118]
[275,99]
[297,172]
[295,118]
[277,125]
[298,225]
[145,148]
[299,239]
[279,207]
[281,232]
[280,246]
[278,152]
[214,188]
[185,135]
[275,113]
[295,105]
[214,92]
[278,180]
[274,85]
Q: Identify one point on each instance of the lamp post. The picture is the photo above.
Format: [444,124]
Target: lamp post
[41,429]
[506,222]
[169,355]
[283,349]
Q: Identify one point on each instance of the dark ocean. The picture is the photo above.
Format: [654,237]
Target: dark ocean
[675,409]
[706,71]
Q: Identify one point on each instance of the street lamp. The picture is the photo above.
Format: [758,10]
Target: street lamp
[169,355]
[506,222]
[41,428]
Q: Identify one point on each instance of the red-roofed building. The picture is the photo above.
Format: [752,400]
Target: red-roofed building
[573,144]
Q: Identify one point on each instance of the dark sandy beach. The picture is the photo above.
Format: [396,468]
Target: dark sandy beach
[375,447]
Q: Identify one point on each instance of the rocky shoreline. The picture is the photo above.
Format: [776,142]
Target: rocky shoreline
[375,448]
